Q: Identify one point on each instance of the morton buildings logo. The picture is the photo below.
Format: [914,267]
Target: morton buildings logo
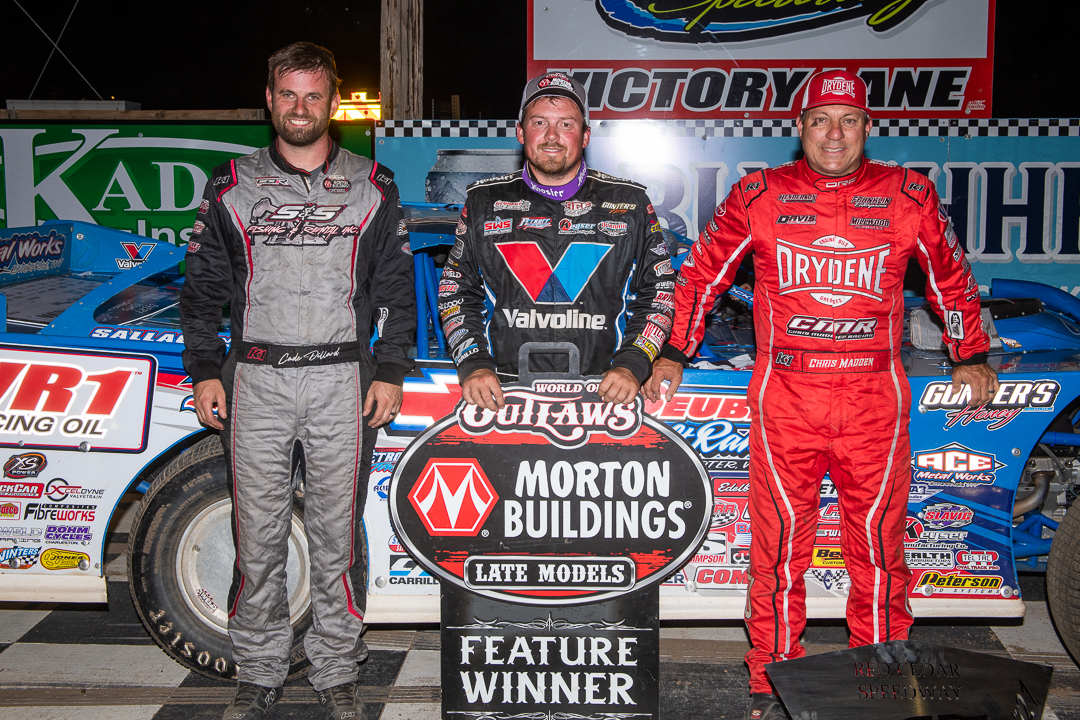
[453,497]
[714,21]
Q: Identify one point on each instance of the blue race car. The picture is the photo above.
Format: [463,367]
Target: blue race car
[94,403]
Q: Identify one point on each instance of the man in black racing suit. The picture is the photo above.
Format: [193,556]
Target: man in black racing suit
[307,243]
[556,252]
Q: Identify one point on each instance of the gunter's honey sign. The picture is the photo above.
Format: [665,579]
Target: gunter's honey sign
[751,58]
[557,499]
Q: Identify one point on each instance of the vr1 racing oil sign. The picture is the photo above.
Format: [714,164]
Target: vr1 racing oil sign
[67,399]
[558,498]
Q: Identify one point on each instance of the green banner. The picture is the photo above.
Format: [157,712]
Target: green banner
[145,178]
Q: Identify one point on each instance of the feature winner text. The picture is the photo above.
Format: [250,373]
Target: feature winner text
[577,670]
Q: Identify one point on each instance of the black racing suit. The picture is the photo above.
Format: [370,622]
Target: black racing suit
[592,270]
[308,263]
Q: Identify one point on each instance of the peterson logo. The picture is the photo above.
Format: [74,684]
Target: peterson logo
[453,497]
[958,583]
[691,21]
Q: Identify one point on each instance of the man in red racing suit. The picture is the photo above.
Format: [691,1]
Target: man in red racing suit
[831,236]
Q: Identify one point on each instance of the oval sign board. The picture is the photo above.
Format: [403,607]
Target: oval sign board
[557,499]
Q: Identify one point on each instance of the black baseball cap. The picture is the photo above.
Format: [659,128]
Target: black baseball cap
[554,84]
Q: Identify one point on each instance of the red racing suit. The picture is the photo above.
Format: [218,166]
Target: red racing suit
[828,393]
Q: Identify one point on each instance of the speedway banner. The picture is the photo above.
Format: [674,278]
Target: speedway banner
[147,178]
[750,58]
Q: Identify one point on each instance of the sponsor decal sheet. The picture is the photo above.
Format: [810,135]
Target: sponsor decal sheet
[75,428]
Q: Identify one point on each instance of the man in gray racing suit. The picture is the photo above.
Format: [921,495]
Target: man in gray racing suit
[307,243]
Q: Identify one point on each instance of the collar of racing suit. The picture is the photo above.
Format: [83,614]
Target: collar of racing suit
[285,167]
[830,183]
[556,192]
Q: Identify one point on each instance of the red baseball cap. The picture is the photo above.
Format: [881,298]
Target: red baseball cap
[835,87]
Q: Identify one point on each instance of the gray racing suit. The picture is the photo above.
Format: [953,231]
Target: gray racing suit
[308,262]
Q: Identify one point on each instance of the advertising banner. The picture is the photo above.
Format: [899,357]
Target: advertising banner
[750,58]
[78,400]
[145,178]
[550,524]
[1012,187]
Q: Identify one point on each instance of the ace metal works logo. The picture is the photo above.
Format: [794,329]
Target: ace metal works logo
[546,284]
[453,497]
[955,463]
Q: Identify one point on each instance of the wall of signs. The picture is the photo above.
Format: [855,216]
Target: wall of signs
[679,59]
[147,179]
[1012,187]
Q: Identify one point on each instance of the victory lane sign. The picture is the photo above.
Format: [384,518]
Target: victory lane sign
[551,524]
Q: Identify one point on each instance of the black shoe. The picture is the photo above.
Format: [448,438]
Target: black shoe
[251,702]
[764,706]
[342,702]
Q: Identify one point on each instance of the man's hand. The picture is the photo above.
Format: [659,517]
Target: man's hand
[619,386]
[982,379]
[210,394]
[482,388]
[383,403]
[663,369]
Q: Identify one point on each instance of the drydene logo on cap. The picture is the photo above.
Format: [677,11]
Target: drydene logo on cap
[838,86]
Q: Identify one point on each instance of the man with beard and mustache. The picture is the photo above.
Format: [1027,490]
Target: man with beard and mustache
[307,242]
[560,253]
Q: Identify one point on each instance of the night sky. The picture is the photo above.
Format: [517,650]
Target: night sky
[203,55]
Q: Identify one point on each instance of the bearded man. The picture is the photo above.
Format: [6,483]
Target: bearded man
[556,252]
[307,243]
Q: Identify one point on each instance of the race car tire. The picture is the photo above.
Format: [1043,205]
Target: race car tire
[180,564]
[1063,580]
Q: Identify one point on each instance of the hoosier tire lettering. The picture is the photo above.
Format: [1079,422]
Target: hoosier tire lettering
[177,620]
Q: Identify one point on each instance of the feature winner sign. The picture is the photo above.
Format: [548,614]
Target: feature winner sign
[551,524]
[750,58]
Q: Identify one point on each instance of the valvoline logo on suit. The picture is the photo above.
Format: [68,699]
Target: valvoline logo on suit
[562,283]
